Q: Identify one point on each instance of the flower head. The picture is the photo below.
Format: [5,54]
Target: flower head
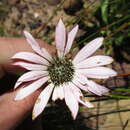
[65,77]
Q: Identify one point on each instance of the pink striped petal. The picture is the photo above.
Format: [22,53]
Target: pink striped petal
[42,101]
[80,82]
[60,37]
[35,46]
[95,61]
[71,36]
[71,101]
[76,91]
[78,94]
[30,66]
[24,92]
[30,57]
[98,72]
[46,54]
[79,77]
[30,76]
[58,93]
[86,103]
[55,95]
[88,50]
[96,88]
[61,93]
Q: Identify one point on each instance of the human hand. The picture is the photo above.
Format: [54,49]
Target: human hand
[13,112]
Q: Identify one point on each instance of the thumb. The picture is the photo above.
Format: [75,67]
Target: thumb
[10,46]
[15,111]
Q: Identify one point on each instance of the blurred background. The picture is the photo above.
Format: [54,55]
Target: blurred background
[107,18]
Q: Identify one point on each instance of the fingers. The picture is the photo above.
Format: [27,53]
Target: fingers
[10,46]
[13,112]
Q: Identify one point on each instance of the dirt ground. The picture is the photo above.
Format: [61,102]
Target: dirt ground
[40,17]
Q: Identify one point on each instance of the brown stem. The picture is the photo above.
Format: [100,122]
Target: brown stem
[122,74]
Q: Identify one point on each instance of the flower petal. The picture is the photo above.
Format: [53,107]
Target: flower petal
[96,88]
[30,57]
[30,76]
[30,66]
[35,46]
[60,37]
[71,101]
[80,81]
[95,61]
[76,91]
[58,93]
[42,101]
[79,94]
[71,36]
[98,72]
[46,54]
[79,77]
[24,92]
[86,103]
[88,50]
[77,82]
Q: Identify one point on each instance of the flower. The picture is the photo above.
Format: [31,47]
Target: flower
[65,77]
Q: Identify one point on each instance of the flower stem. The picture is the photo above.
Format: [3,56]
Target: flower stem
[122,74]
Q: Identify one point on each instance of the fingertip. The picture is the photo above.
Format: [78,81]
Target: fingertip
[10,46]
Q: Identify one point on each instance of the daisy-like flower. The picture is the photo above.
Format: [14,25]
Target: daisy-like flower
[65,77]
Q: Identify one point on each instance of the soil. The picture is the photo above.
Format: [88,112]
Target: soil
[40,17]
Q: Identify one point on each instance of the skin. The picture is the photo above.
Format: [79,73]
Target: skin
[15,111]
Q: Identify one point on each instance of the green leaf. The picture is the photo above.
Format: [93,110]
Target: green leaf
[119,97]
[104,11]
[122,90]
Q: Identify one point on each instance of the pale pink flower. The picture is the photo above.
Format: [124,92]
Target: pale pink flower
[65,77]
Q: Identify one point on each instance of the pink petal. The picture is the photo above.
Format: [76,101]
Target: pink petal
[76,91]
[46,54]
[79,77]
[42,101]
[98,72]
[80,82]
[95,61]
[88,50]
[78,94]
[61,93]
[71,101]
[30,76]
[71,36]
[55,95]
[30,57]
[58,93]
[79,85]
[30,66]
[86,103]
[24,92]
[96,88]
[35,46]
[60,37]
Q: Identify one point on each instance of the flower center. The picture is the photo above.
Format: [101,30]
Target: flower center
[61,71]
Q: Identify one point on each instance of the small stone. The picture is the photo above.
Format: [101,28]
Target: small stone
[13,2]
[72,6]
[52,2]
